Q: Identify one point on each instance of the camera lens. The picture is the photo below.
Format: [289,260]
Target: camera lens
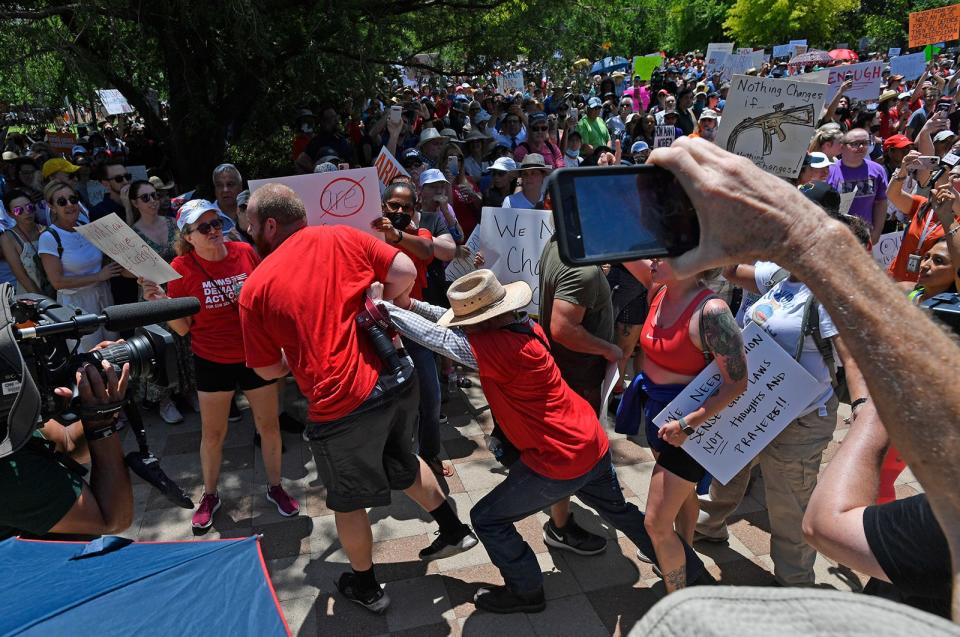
[151,355]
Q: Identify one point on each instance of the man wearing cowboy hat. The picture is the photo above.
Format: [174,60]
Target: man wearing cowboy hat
[431,145]
[563,449]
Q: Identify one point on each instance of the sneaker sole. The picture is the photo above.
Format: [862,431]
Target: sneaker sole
[377,607]
[557,544]
[210,523]
[280,511]
[449,551]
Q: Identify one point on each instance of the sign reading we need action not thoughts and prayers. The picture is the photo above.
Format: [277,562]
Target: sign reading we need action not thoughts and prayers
[778,390]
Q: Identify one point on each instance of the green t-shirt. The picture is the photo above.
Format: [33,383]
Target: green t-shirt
[588,288]
[594,132]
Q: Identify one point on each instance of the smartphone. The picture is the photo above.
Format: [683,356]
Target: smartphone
[944,105]
[848,76]
[928,162]
[574,113]
[396,112]
[610,214]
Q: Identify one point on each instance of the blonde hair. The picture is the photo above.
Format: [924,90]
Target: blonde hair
[53,188]
[830,132]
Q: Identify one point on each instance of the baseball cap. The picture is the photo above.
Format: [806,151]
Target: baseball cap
[639,147]
[539,116]
[243,198]
[412,156]
[822,194]
[708,113]
[594,102]
[504,164]
[904,95]
[816,160]
[194,209]
[78,150]
[57,165]
[897,141]
[432,176]
[943,136]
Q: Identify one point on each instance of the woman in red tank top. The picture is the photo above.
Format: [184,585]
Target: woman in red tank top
[675,351]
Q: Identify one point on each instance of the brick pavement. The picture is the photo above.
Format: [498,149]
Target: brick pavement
[587,596]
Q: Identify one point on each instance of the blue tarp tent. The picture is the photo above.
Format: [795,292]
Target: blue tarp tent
[113,586]
[609,64]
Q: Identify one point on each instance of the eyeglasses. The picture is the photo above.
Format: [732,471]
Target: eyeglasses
[63,201]
[119,179]
[394,206]
[147,197]
[206,227]
[538,129]
[23,210]
[857,143]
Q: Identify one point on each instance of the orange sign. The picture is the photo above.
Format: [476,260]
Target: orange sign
[935,25]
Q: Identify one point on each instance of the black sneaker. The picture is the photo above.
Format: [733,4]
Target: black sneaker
[235,414]
[290,424]
[500,599]
[446,547]
[573,538]
[376,601]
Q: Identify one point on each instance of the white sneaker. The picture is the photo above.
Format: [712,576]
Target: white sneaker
[169,412]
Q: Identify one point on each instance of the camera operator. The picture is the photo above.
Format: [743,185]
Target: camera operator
[40,494]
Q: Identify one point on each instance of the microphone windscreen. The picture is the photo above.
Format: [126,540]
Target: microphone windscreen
[130,315]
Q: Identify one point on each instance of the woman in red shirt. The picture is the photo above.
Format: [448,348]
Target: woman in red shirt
[214,271]
[675,351]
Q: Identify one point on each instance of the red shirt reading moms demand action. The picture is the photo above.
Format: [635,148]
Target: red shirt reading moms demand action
[215,329]
[304,298]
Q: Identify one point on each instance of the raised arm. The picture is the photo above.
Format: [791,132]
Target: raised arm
[742,276]
[946,200]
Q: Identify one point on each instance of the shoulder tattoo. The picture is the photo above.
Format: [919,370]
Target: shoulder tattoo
[722,337]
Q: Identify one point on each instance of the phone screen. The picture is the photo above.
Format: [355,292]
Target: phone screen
[605,215]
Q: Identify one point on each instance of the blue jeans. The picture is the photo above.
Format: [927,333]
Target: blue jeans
[425,363]
[525,492]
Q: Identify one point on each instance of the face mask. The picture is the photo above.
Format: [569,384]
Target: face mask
[709,134]
[573,154]
[399,220]
[875,128]
[843,112]
[306,128]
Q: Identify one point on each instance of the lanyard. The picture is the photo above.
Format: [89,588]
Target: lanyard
[927,228]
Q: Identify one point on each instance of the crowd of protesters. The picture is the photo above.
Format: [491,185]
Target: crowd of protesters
[467,146]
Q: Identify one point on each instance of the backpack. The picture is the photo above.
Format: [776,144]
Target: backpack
[46,288]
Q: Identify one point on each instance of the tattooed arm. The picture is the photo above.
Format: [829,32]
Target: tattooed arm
[721,337]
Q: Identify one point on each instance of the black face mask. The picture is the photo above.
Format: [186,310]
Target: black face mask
[399,220]
[843,112]
[875,128]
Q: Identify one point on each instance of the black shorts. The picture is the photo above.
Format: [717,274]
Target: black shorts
[214,377]
[628,296]
[372,450]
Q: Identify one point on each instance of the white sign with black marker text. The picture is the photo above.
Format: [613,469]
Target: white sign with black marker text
[779,390]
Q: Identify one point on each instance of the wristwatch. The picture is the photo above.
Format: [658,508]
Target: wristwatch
[684,427]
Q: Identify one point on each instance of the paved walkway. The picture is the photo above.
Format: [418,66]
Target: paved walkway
[587,596]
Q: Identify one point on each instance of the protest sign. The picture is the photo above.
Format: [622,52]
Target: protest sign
[113,101]
[347,197]
[61,143]
[510,82]
[779,390]
[782,50]
[866,79]
[770,121]
[893,51]
[664,136]
[910,66]
[512,241]
[802,42]
[118,241]
[716,55]
[387,168]
[934,25]
[846,200]
[744,50]
[464,265]
[798,49]
[886,249]
[644,65]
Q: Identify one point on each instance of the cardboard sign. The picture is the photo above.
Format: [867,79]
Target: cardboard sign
[770,121]
[664,136]
[387,168]
[744,50]
[846,200]
[893,51]
[644,65]
[113,101]
[935,25]
[510,82]
[464,265]
[886,249]
[118,241]
[866,79]
[798,49]
[779,390]
[61,143]
[782,50]
[346,197]
[512,241]
[910,66]
[715,55]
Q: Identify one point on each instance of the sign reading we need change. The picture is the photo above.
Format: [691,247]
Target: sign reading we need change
[770,121]
[778,390]
[512,241]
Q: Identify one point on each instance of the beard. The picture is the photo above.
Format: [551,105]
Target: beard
[263,247]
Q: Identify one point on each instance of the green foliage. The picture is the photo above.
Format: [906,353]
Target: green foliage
[693,25]
[768,22]
[262,156]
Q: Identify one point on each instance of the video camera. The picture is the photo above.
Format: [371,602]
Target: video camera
[38,353]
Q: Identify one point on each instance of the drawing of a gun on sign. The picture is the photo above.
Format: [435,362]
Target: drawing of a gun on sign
[772,124]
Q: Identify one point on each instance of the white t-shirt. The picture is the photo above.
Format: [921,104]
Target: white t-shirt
[517,200]
[80,257]
[780,312]
[763,271]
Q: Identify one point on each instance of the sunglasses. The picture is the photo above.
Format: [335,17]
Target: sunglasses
[148,197]
[71,199]
[206,227]
[23,210]
[394,206]
[119,179]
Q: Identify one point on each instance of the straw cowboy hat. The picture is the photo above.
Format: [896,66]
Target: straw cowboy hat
[429,134]
[479,296]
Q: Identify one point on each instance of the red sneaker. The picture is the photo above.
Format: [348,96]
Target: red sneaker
[286,505]
[203,517]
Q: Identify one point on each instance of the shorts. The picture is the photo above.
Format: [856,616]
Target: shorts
[372,450]
[629,297]
[214,377]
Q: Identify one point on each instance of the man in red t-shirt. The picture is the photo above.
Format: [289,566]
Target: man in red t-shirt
[298,313]
[563,448]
